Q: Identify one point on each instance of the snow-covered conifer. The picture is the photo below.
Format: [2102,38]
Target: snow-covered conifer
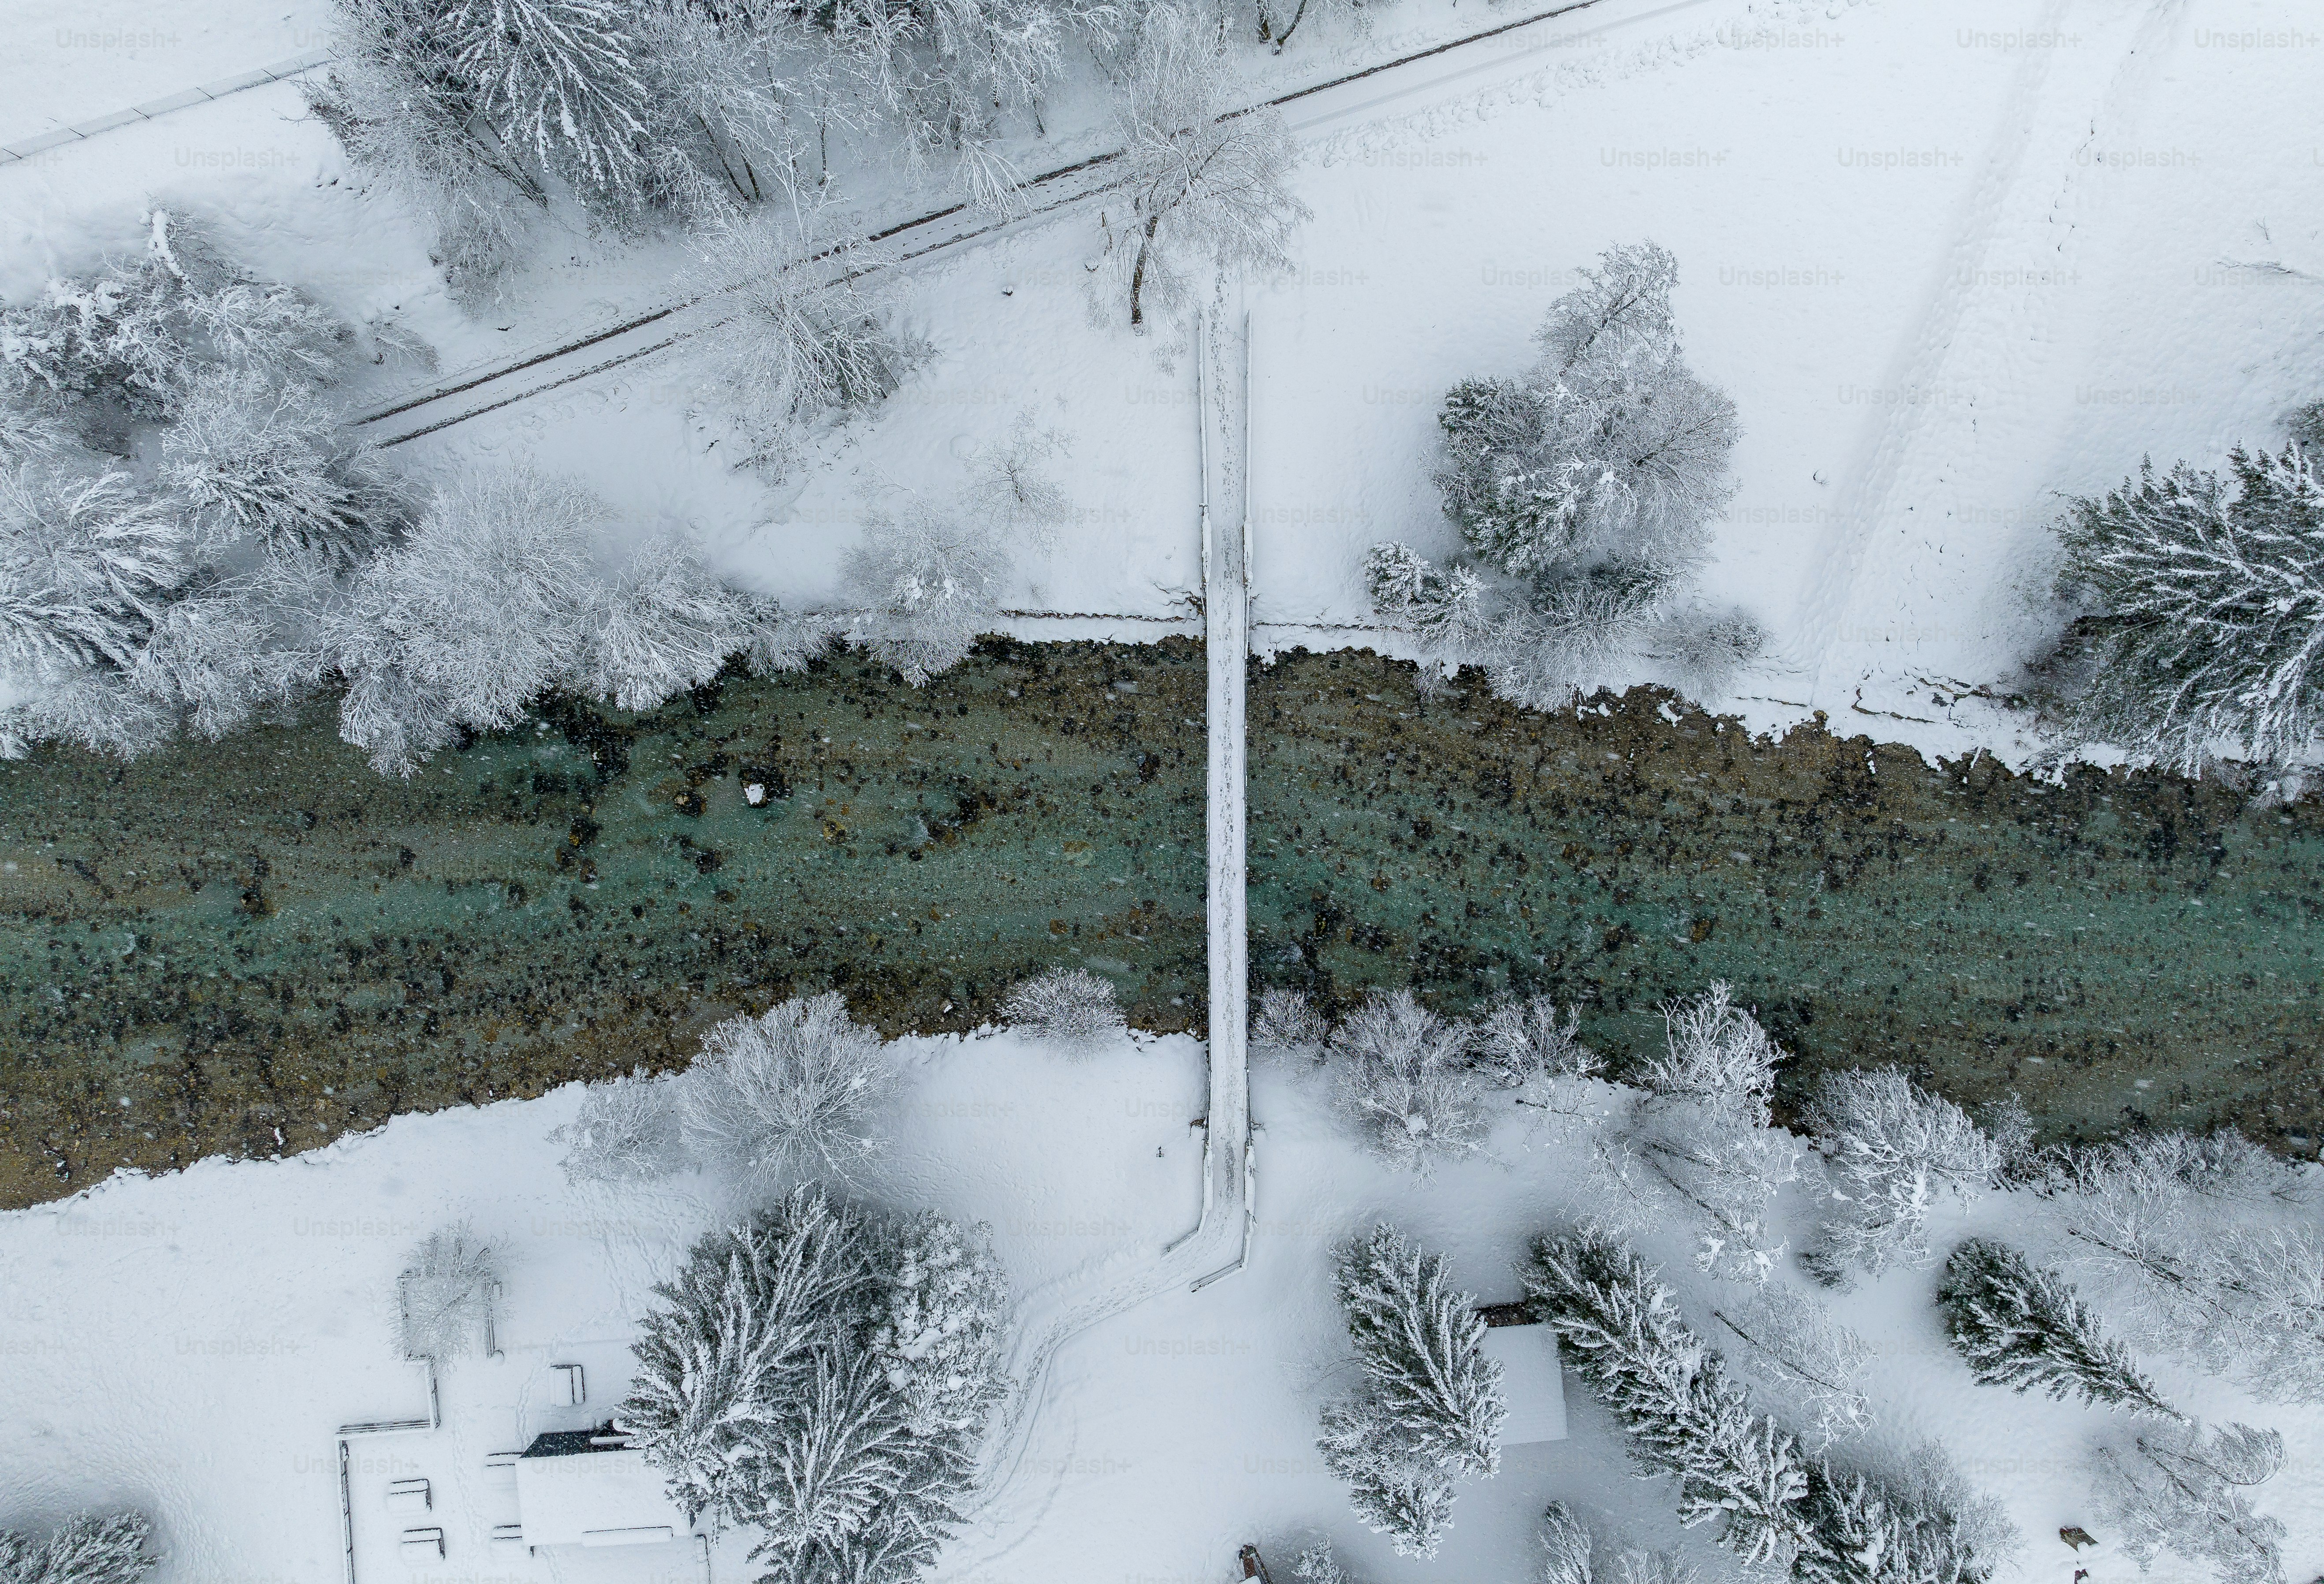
[1286,1022]
[2206,598]
[1404,1074]
[626,1131]
[442,1297]
[85,1549]
[1568,1548]
[786,1093]
[1072,1008]
[1892,1149]
[1202,190]
[1431,1407]
[926,587]
[1611,454]
[1316,1564]
[2180,1489]
[2022,1326]
[823,1376]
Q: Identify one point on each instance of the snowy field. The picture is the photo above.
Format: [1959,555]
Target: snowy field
[1951,261]
[190,1344]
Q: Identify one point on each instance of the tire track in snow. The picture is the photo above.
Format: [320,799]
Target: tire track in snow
[2018,208]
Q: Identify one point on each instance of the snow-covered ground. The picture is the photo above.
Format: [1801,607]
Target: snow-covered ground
[1951,261]
[190,1343]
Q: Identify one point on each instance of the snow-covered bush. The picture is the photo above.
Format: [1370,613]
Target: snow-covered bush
[2178,1488]
[1286,1022]
[442,1298]
[1069,1008]
[1698,1142]
[926,587]
[1404,1074]
[1705,647]
[86,1549]
[823,1375]
[1316,1564]
[1529,1044]
[2204,596]
[785,1094]
[1430,1406]
[1619,1327]
[1445,605]
[86,561]
[1893,1148]
[1201,192]
[802,339]
[2021,1326]
[1802,1356]
[626,1131]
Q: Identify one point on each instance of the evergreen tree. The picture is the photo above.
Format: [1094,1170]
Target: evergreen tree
[2024,1327]
[1431,1408]
[86,1549]
[2208,624]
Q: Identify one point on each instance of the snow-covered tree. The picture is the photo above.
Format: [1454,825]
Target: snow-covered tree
[660,624]
[1430,1406]
[1618,1325]
[2180,1489]
[2183,1219]
[274,465]
[442,1298]
[2206,610]
[1316,1564]
[85,1549]
[88,561]
[823,1375]
[2023,1327]
[1706,646]
[1892,1149]
[478,610]
[1403,1073]
[804,337]
[1201,189]
[785,1093]
[1698,1139]
[1286,1022]
[1568,1548]
[1010,487]
[1072,1008]
[924,588]
[557,83]
[1611,454]
[1443,605]
[1800,1355]
[626,1131]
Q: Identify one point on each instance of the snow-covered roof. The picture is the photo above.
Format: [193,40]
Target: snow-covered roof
[1531,1381]
[595,1497]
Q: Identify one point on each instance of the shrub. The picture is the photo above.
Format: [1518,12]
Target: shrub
[926,587]
[1403,1073]
[785,1093]
[442,1297]
[1286,1021]
[1070,1008]
[626,1131]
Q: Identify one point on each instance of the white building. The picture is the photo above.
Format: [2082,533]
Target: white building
[1533,1384]
[592,1487]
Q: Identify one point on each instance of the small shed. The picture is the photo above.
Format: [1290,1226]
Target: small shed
[1531,1381]
[592,1487]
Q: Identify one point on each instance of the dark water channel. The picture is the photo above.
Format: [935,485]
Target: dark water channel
[260,945]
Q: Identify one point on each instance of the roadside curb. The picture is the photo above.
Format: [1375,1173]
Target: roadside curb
[19,151]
